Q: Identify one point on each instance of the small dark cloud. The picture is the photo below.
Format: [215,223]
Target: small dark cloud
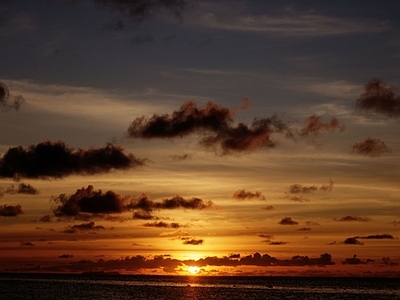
[304,229]
[380,98]
[182,157]
[45,218]
[299,199]
[234,255]
[163,225]
[27,244]
[140,10]
[268,207]
[288,221]
[354,261]
[191,241]
[266,236]
[352,241]
[90,226]
[273,243]
[312,223]
[66,256]
[301,189]
[353,218]
[314,125]
[23,188]
[215,123]
[388,262]
[5,102]
[247,195]
[10,210]
[370,147]
[332,243]
[57,160]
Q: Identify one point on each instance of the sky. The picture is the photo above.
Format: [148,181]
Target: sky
[191,137]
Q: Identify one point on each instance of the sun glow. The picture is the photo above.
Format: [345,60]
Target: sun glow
[193,270]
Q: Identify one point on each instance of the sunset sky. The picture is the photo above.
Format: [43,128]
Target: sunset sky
[200,137]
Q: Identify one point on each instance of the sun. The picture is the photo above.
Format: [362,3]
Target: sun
[193,270]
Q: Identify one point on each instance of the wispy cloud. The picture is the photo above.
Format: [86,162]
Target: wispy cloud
[289,23]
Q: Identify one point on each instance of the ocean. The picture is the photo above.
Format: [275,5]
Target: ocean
[110,286]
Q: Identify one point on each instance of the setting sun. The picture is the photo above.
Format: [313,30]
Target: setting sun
[193,270]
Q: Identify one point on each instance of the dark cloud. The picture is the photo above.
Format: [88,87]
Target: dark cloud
[353,218]
[23,188]
[234,255]
[273,243]
[376,237]
[27,244]
[247,195]
[163,225]
[314,125]
[191,241]
[268,207]
[386,261]
[380,98]
[304,229]
[288,221]
[5,104]
[352,241]
[299,199]
[215,123]
[301,189]
[45,218]
[90,226]
[66,256]
[266,236]
[370,147]
[140,10]
[57,160]
[96,202]
[181,157]
[354,261]
[10,210]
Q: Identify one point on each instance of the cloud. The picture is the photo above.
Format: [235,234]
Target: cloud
[314,126]
[182,157]
[268,207]
[353,218]
[163,225]
[301,189]
[5,104]
[57,160]
[90,226]
[23,188]
[288,221]
[304,229]
[247,195]
[352,241]
[66,256]
[379,98]
[45,218]
[311,223]
[353,261]
[88,200]
[27,244]
[215,123]
[191,241]
[140,10]
[10,210]
[376,237]
[272,243]
[370,147]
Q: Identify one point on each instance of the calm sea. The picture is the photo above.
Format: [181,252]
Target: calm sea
[72,286]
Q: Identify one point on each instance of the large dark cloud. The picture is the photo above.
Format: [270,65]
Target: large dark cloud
[215,123]
[5,102]
[314,125]
[10,210]
[355,240]
[88,200]
[380,98]
[57,160]
[247,195]
[370,147]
